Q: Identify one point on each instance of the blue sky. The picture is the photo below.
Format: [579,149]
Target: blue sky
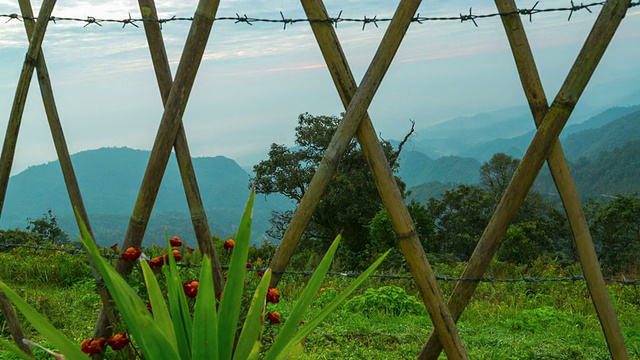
[255,80]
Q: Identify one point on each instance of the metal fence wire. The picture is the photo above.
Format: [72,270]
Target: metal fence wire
[492,280]
[244,19]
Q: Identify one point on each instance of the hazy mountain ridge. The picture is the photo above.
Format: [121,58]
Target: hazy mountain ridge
[604,132]
[109,179]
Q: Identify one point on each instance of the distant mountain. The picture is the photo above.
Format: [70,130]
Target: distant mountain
[435,189]
[612,172]
[601,119]
[109,179]
[601,140]
[455,136]
[516,146]
[590,143]
[417,168]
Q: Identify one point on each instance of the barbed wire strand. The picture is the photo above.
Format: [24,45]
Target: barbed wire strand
[109,254]
[244,19]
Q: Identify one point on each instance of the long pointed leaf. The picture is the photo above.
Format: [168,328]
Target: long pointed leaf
[148,336]
[328,309]
[180,315]
[254,323]
[158,305]
[205,320]
[309,293]
[55,337]
[229,310]
[16,351]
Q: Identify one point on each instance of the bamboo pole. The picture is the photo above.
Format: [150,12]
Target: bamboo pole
[181,146]
[185,164]
[17,109]
[62,151]
[9,146]
[559,168]
[540,148]
[387,187]
[169,125]
[13,323]
[343,135]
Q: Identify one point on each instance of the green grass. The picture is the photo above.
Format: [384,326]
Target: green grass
[518,320]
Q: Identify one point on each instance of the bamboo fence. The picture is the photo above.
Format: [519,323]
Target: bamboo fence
[356,99]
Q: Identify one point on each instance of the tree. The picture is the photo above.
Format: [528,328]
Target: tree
[382,237]
[351,200]
[46,229]
[615,226]
[462,214]
[496,174]
[460,218]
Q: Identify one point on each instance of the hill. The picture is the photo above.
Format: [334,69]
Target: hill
[612,172]
[417,168]
[109,179]
[591,142]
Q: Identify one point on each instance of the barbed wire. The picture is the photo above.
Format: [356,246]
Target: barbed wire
[109,254]
[244,19]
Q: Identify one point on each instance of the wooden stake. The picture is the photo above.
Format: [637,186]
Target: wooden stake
[540,148]
[391,196]
[62,151]
[187,172]
[181,146]
[564,182]
[170,124]
[9,146]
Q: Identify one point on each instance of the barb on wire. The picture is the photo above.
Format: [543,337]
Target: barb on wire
[373,20]
[242,19]
[12,17]
[91,20]
[335,20]
[575,8]
[529,12]
[285,21]
[471,17]
[112,256]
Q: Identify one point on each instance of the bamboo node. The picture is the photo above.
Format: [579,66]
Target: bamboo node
[406,235]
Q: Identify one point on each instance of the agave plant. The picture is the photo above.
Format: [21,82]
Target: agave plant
[174,333]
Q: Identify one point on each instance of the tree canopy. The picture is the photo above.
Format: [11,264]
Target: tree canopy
[351,200]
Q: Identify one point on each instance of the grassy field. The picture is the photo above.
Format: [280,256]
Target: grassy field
[383,320]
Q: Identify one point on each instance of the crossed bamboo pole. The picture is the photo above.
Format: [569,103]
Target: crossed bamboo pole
[171,134]
[35,59]
[356,121]
[545,145]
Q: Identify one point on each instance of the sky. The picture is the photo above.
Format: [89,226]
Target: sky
[255,80]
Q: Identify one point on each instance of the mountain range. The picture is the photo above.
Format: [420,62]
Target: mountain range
[603,151]
[109,179]
[599,142]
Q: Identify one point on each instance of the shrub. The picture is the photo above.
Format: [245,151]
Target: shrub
[391,300]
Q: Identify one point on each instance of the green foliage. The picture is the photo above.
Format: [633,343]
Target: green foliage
[55,268]
[389,300]
[382,236]
[211,334]
[460,218]
[351,199]
[615,225]
[496,173]
[539,319]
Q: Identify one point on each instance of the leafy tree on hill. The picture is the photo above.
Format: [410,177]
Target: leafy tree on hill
[496,173]
[615,227]
[39,231]
[462,214]
[351,200]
